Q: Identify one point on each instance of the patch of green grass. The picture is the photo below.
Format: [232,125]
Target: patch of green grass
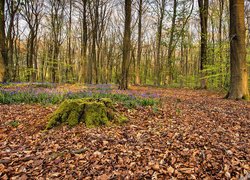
[178,111]
[14,123]
[155,108]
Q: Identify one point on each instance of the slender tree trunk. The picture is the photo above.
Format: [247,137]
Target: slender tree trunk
[12,8]
[139,50]
[203,7]
[158,45]
[16,51]
[30,56]
[84,41]
[69,69]
[95,35]
[126,46]
[3,55]
[146,66]
[92,63]
[35,74]
[220,42]
[186,63]
[239,74]
[170,44]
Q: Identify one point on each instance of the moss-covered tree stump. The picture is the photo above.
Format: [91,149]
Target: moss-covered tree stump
[92,112]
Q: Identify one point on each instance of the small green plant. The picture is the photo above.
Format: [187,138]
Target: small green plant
[14,123]
[155,109]
[178,111]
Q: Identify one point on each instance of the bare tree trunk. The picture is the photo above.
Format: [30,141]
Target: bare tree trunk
[30,55]
[69,68]
[126,46]
[16,74]
[170,44]
[203,7]
[57,19]
[3,55]
[220,41]
[146,65]
[12,8]
[32,15]
[84,41]
[158,48]
[239,76]
[139,50]
[92,62]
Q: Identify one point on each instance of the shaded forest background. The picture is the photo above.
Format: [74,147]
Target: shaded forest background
[82,41]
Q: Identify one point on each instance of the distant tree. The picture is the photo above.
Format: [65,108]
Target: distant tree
[11,8]
[126,46]
[69,68]
[171,40]
[32,13]
[239,76]
[3,55]
[57,12]
[84,40]
[161,4]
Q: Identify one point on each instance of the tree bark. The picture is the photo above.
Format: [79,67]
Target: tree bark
[239,76]
[203,8]
[139,50]
[3,55]
[84,43]
[170,44]
[158,45]
[220,41]
[126,46]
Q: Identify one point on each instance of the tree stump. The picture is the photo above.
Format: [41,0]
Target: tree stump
[92,112]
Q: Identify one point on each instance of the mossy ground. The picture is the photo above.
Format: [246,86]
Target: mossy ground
[92,112]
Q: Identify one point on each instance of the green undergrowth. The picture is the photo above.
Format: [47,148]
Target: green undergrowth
[14,123]
[33,97]
[91,112]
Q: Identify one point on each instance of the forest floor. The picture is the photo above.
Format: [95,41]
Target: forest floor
[195,134]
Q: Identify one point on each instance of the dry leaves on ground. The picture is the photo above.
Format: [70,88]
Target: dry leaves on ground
[194,135]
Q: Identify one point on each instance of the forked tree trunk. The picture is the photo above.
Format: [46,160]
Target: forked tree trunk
[239,75]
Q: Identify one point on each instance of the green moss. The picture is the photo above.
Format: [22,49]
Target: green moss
[122,120]
[108,102]
[95,114]
[246,97]
[61,114]
[87,110]
[73,118]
